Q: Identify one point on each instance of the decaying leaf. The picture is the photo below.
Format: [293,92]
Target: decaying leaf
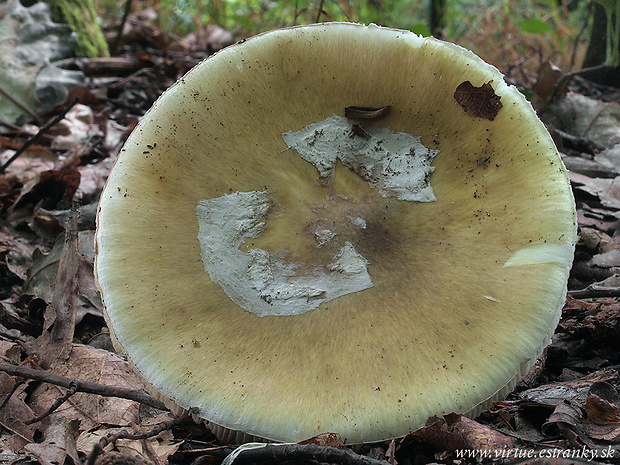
[162,446]
[610,158]
[587,117]
[58,444]
[481,102]
[210,37]
[602,416]
[548,75]
[41,276]
[606,189]
[553,394]
[46,190]
[56,341]
[16,412]
[326,439]
[75,128]
[96,365]
[455,432]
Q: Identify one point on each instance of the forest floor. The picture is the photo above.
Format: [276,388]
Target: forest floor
[564,411]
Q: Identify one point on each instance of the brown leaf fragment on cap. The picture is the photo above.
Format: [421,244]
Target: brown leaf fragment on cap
[481,101]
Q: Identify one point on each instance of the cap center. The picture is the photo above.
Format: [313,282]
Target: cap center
[265,283]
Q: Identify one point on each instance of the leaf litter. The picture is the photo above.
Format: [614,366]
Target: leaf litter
[51,315]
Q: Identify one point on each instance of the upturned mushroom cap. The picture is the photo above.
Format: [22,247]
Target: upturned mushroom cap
[285,290]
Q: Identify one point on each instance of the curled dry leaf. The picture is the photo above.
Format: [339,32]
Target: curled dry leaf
[602,416]
[481,102]
[455,432]
[566,416]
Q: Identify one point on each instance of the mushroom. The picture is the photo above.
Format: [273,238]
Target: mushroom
[267,265]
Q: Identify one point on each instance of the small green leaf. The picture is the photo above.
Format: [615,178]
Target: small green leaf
[535,26]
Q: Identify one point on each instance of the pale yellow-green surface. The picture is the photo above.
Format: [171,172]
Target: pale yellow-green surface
[448,324]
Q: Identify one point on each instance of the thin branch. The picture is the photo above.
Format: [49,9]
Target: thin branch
[38,135]
[8,124]
[594,293]
[274,453]
[566,78]
[83,386]
[580,35]
[121,26]
[11,392]
[61,400]
[18,103]
[319,11]
[127,434]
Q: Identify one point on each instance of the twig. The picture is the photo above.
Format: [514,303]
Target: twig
[83,386]
[298,452]
[15,432]
[594,118]
[8,124]
[126,434]
[581,144]
[594,293]
[320,10]
[38,135]
[18,103]
[565,79]
[61,400]
[121,26]
[11,392]
[580,34]
[30,361]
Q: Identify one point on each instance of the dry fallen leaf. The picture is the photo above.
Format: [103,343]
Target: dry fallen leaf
[58,444]
[602,417]
[16,412]
[548,75]
[55,344]
[325,439]
[99,366]
[481,102]
[587,117]
[455,432]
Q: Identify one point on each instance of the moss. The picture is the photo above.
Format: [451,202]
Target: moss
[82,17]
